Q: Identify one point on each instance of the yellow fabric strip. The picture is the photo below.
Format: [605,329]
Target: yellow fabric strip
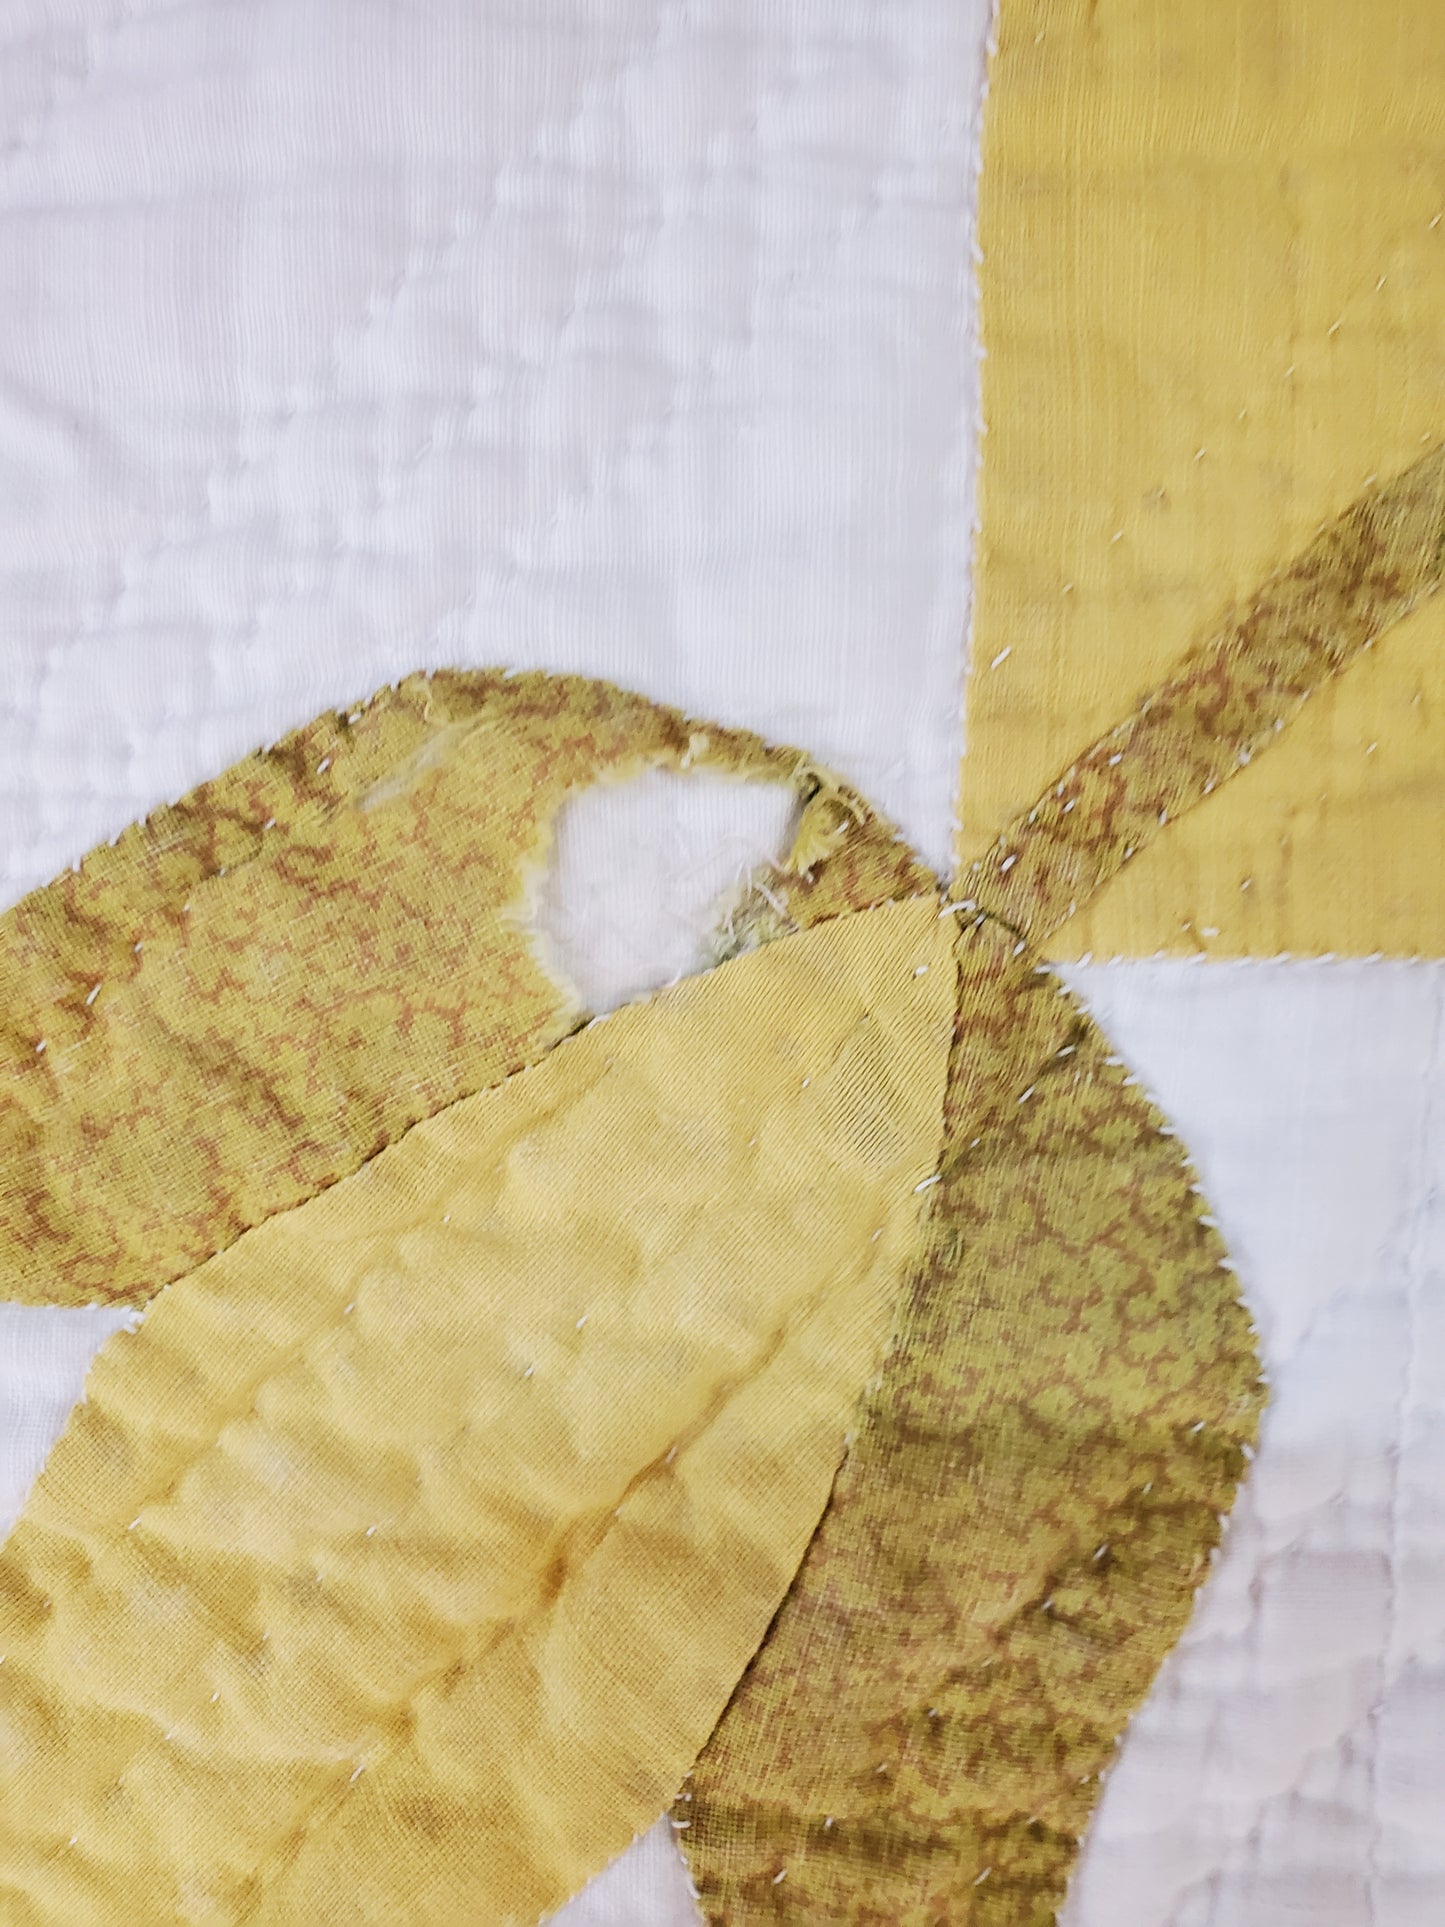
[399,1564]
[1214,270]
[1224,705]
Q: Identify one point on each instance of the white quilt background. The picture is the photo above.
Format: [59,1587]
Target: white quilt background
[346,337]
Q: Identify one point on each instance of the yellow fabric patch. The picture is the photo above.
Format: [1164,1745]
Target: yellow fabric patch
[1214,270]
[259,987]
[400,1562]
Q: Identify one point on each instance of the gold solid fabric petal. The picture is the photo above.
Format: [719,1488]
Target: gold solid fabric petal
[399,1563]
[255,990]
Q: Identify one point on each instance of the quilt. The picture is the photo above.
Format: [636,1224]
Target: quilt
[724,1080]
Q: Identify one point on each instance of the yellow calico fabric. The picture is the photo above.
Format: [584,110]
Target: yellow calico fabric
[398,1565]
[1212,297]
[256,989]
[1014,1541]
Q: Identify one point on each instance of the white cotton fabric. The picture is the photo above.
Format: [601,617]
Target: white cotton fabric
[344,340]
[44,1356]
[644,874]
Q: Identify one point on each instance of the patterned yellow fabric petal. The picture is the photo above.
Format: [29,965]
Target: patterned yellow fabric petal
[398,1565]
[255,990]
[1014,1541]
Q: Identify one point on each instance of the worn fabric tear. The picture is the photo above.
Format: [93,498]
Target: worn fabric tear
[259,987]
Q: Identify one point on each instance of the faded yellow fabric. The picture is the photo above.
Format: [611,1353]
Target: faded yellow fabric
[1014,1542]
[1213,276]
[398,1565]
[259,987]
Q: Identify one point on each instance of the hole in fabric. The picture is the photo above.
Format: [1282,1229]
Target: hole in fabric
[645,1887]
[642,873]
